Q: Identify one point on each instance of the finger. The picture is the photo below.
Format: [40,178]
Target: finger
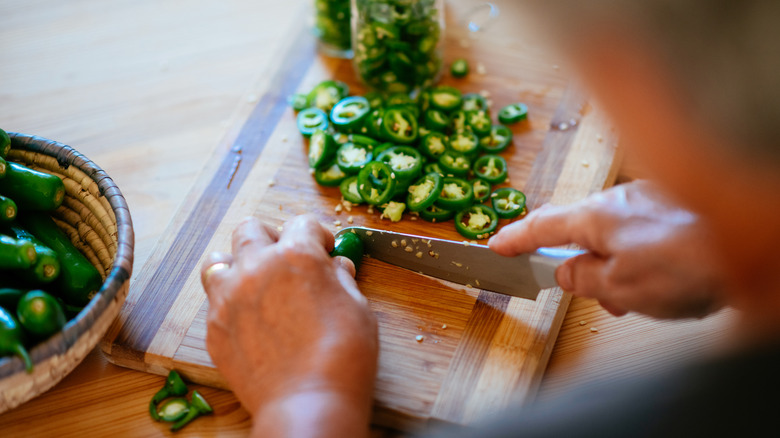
[549,226]
[215,267]
[612,308]
[251,236]
[586,275]
[345,274]
[306,232]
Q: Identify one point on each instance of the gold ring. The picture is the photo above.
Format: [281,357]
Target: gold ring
[212,269]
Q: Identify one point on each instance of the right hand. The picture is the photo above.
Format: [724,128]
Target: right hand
[644,254]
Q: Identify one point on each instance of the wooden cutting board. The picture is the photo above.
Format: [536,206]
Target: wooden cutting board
[493,350]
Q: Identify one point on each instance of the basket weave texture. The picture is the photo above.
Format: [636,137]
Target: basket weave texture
[95,217]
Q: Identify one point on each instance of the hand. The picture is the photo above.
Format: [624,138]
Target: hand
[645,254]
[287,326]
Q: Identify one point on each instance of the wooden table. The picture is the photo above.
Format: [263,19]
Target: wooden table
[147,89]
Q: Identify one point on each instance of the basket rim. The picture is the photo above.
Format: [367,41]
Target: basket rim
[121,267]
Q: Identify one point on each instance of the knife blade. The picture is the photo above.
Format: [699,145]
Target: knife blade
[465,263]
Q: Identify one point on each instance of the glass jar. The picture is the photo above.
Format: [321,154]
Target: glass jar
[397,43]
[332,27]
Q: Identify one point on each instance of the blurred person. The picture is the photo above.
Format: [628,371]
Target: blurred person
[694,90]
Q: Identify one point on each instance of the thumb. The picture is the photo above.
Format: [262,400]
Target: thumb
[583,275]
[345,273]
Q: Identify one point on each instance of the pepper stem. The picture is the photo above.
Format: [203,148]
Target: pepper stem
[22,352]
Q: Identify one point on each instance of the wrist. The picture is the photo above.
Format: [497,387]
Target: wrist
[314,413]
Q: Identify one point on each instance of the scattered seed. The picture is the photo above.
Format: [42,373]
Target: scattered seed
[477,283]
[599,138]
[468,285]
[403,242]
[466,243]
[431,253]
[394,244]
[460,265]
[585,163]
[594,330]
[369,233]
[413,218]
[484,93]
[474,242]
[444,326]
[350,220]
[338,208]
[481,68]
[337,223]
[280,207]
[419,254]
[583,322]
[419,338]
[409,249]
[370,210]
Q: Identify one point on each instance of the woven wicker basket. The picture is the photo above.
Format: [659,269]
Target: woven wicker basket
[95,217]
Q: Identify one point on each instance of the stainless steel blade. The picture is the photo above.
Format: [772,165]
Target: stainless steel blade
[462,262]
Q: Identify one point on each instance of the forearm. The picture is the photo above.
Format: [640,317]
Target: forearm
[313,414]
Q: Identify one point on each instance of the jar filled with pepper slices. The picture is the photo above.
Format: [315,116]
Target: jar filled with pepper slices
[397,43]
[332,27]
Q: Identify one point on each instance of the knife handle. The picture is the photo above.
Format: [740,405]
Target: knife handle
[545,261]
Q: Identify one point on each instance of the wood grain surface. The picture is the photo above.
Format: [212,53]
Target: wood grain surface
[152,91]
[494,349]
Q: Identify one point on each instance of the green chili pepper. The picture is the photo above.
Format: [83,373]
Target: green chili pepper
[459,68]
[8,209]
[310,120]
[481,189]
[12,339]
[424,192]
[47,264]
[5,144]
[329,175]
[479,121]
[173,409]
[458,121]
[497,141]
[446,98]
[322,147]
[350,113]
[350,246]
[465,142]
[375,99]
[326,94]
[399,126]
[198,407]
[508,202]
[456,194]
[474,102]
[349,190]
[476,222]
[455,163]
[433,167]
[513,113]
[9,298]
[16,254]
[436,120]
[298,101]
[405,162]
[174,387]
[376,183]
[398,99]
[436,214]
[381,148]
[373,123]
[352,157]
[434,144]
[40,314]
[31,189]
[491,168]
[363,140]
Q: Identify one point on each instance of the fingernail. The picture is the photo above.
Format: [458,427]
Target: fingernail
[563,275]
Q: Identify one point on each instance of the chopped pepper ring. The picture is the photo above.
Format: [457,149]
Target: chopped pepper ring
[513,113]
[376,183]
[406,162]
[424,192]
[351,157]
[349,190]
[310,120]
[476,222]
[508,202]
[399,125]
[497,141]
[350,112]
[456,194]
[491,168]
[321,148]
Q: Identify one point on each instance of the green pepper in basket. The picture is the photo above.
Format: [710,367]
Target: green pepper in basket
[31,189]
[16,254]
[5,144]
[8,209]
[40,314]
[47,265]
[12,339]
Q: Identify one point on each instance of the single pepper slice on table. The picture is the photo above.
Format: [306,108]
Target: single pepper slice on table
[509,203]
[497,140]
[376,183]
[513,113]
[446,98]
[424,192]
[459,68]
[349,190]
[476,222]
[491,168]
[399,126]
[173,409]
[198,407]
[174,387]
[322,147]
[456,194]
[475,102]
[310,120]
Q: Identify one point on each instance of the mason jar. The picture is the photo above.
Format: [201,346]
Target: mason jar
[332,27]
[397,43]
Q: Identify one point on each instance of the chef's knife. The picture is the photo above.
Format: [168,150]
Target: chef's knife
[465,263]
